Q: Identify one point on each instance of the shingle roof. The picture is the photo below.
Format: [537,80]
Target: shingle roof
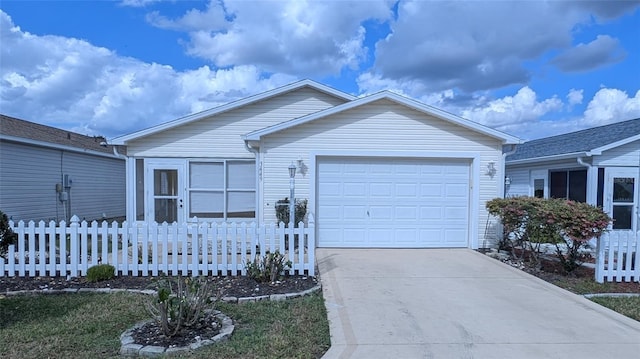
[10,126]
[576,142]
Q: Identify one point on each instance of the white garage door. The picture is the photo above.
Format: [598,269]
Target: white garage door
[394,203]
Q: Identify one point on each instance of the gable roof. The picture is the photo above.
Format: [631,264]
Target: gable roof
[17,130]
[121,140]
[591,141]
[418,106]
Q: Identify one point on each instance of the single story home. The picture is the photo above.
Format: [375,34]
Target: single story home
[381,170]
[600,166]
[51,174]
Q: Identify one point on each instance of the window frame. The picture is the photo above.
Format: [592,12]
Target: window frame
[226,188]
[567,181]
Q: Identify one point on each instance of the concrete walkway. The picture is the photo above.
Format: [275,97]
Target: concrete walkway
[457,303]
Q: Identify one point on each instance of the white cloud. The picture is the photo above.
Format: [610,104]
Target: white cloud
[72,84]
[516,110]
[611,105]
[137,3]
[574,97]
[293,37]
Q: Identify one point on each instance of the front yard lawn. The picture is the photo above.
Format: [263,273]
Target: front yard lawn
[89,326]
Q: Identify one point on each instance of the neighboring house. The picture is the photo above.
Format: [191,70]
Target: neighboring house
[600,166]
[378,171]
[52,174]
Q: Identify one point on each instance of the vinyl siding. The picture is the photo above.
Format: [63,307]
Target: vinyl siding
[379,126]
[220,136]
[622,156]
[28,177]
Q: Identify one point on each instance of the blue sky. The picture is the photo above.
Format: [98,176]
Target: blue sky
[529,68]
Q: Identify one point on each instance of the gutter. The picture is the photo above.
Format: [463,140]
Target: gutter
[256,152]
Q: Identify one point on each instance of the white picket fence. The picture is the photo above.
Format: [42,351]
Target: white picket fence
[618,257]
[144,249]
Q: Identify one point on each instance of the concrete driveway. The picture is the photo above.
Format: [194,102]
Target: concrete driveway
[457,303]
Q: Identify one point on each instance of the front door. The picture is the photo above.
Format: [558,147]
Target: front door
[166,191]
[621,201]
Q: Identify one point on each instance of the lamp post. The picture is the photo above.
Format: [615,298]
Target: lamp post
[292,194]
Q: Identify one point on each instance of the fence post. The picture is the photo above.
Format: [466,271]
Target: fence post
[600,258]
[73,239]
[311,245]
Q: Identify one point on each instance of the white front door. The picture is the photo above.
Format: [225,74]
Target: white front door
[164,180]
[621,197]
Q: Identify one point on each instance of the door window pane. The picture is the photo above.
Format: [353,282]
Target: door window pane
[623,190]
[165,182]
[538,188]
[166,210]
[622,217]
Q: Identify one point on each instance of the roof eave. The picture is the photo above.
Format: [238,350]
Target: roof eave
[563,156]
[599,150]
[56,146]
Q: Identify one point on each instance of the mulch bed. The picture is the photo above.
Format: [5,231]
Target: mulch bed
[552,271]
[229,286]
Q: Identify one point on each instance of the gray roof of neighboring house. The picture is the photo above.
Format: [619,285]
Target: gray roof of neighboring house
[577,142]
[21,129]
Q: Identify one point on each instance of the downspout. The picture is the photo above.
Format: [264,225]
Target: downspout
[256,152]
[503,168]
[590,199]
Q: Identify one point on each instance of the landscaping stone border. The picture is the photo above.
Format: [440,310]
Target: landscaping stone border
[128,347]
[273,297]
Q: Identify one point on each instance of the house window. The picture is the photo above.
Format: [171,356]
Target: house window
[569,185]
[223,189]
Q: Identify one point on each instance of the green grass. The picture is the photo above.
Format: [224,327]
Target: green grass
[629,306]
[89,326]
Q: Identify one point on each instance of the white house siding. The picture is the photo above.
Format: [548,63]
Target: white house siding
[220,136]
[520,179]
[622,156]
[382,126]
[29,174]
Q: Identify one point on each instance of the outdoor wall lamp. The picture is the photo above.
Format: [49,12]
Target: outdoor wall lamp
[491,169]
[507,180]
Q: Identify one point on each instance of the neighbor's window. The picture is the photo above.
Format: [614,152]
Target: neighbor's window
[623,194]
[569,185]
[538,187]
[224,189]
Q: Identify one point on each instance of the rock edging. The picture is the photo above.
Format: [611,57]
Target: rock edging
[273,297]
[128,347]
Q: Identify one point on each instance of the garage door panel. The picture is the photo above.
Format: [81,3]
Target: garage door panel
[357,213]
[372,202]
[406,190]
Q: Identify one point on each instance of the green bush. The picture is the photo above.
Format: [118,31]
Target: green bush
[182,303]
[282,210]
[268,268]
[7,236]
[101,272]
[528,222]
